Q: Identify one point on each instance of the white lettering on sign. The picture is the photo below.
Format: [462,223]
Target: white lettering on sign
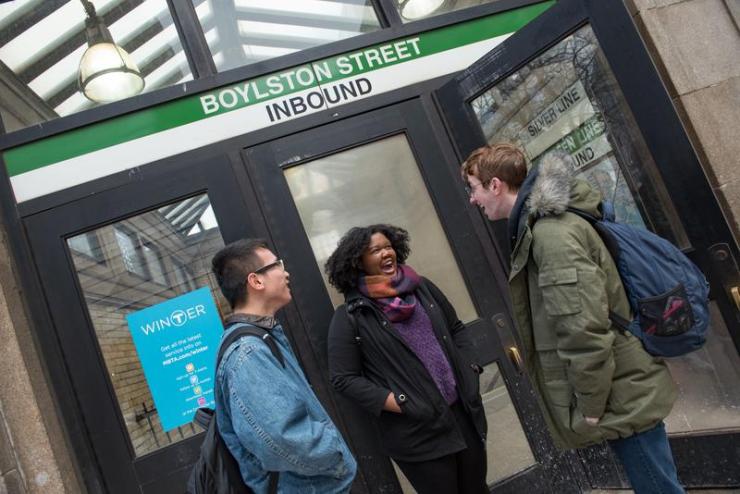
[178,318]
[244,93]
[307,77]
[372,58]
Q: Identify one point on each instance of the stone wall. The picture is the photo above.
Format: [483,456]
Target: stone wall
[34,456]
[696,47]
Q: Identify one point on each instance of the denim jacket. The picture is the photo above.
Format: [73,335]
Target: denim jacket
[271,420]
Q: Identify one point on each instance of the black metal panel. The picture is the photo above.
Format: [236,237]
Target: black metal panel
[69,341]
[165,483]
[715,249]
[171,459]
[709,461]
[192,38]
[532,480]
[602,468]
[389,12]
[702,462]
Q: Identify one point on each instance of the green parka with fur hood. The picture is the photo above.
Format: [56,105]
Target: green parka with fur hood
[563,283]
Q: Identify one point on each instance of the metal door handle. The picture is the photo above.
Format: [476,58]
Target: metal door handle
[516,358]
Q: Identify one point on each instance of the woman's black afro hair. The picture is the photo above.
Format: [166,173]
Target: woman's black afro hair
[344,266]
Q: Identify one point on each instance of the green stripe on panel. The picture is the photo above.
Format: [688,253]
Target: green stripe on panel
[190,109]
[111,132]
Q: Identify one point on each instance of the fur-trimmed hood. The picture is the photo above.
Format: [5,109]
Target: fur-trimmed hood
[548,190]
[554,189]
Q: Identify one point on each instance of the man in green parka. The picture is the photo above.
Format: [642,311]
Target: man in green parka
[594,382]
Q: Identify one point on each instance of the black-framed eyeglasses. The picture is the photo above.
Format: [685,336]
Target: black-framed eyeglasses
[469,189]
[267,267]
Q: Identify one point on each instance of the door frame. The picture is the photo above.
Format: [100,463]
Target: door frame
[43,330]
[679,167]
[98,432]
[417,119]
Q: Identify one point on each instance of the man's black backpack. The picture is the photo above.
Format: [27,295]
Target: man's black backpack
[216,471]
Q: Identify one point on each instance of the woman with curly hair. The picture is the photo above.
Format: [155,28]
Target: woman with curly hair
[397,348]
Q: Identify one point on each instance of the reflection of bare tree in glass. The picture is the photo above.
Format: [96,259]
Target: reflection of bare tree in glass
[522,88]
[582,52]
[505,110]
[638,171]
[575,52]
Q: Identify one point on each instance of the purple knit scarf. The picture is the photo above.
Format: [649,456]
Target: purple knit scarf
[394,294]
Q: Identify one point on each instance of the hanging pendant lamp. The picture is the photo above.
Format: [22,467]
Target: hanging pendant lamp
[417,9]
[107,73]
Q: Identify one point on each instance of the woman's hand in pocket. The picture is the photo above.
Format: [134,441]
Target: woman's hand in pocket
[391,405]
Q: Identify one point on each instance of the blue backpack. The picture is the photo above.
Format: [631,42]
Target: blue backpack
[668,294]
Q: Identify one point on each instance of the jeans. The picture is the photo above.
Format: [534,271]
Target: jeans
[648,462]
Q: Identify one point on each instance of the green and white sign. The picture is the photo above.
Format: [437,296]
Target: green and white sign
[586,144]
[566,113]
[135,139]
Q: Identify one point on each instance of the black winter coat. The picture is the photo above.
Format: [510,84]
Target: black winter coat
[369,361]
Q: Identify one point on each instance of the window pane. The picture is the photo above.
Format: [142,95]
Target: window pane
[376,183]
[181,275]
[154,263]
[130,253]
[111,292]
[241,32]
[568,99]
[708,394]
[87,244]
[507,446]
[412,10]
[42,43]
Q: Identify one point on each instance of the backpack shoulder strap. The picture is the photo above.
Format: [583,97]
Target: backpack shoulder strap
[244,329]
[620,322]
[583,214]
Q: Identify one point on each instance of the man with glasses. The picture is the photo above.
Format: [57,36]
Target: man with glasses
[267,413]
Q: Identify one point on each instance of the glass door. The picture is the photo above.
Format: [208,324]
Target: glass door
[110,256]
[578,80]
[386,166]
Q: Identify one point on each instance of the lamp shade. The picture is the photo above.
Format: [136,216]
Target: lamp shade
[107,73]
[417,9]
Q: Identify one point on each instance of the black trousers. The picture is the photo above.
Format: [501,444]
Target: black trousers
[459,473]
